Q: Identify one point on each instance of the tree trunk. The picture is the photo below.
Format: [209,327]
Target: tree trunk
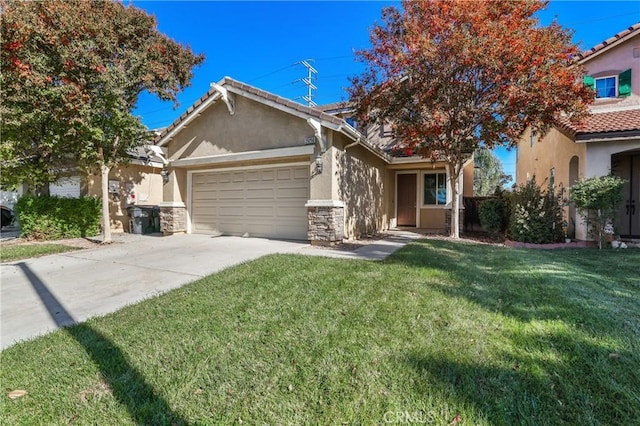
[455,205]
[106,220]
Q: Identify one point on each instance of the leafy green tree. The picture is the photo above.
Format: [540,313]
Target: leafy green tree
[488,174]
[71,76]
[451,75]
[598,199]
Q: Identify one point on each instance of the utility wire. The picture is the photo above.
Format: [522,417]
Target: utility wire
[272,72]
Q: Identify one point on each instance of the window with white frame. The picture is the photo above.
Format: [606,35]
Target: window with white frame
[435,189]
[606,87]
[610,86]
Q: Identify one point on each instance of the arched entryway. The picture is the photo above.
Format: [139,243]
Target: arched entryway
[574,170]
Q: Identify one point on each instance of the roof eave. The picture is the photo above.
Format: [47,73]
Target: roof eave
[586,56]
[211,99]
[608,136]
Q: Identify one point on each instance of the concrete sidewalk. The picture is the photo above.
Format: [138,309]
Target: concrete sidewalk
[98,281]
[392,241]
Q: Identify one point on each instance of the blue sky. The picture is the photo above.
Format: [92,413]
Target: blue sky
[260,43]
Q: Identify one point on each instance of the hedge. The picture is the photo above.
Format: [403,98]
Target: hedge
[52,218]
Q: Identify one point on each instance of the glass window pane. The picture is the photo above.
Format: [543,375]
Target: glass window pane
[435,189]
[442,188]
[430,185]
[606,87]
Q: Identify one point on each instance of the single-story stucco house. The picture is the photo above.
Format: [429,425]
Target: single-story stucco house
[138,182]
[243,161]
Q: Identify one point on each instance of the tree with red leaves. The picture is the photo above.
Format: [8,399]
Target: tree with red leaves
[71,76]
[452,76]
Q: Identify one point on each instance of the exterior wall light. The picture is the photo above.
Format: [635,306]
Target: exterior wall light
[318,164]
[165,175]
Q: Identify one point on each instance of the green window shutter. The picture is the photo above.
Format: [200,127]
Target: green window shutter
[589,81]
[624,83]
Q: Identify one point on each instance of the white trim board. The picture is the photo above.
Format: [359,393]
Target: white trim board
[244,156]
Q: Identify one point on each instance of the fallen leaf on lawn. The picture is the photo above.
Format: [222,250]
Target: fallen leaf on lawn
[515,367]
[197,391]
[457,419]
[199,349]
[17,394]
[290,388]
[614,355]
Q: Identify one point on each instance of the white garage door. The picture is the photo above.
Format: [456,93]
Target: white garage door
[268,202]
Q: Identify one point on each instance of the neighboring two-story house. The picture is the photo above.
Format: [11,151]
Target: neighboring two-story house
[607,142]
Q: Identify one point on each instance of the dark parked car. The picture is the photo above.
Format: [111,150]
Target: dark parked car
[7,216]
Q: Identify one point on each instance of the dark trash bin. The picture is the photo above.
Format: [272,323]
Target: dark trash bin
[144,219]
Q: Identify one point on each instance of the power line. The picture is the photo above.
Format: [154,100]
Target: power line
[602,18]
[272,72]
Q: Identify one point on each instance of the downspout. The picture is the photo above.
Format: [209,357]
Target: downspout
[317,132]
[345,130]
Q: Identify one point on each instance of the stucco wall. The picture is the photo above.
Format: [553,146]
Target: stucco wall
[360,183]
[431,218]
[615,61]
[599,155]
[253,126]
[555,151]
[146,183]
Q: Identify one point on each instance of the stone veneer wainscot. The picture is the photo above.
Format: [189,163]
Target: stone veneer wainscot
[173,218]
[326,221]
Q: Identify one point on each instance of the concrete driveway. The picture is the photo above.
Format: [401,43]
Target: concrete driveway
[42,294]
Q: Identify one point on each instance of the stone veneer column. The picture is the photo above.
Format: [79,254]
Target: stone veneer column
[326,221]
[173,218]
[447,220]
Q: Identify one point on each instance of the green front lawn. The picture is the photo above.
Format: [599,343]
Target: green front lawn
[440,333]
[26,251]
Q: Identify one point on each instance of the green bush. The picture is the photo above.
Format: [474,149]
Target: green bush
[535,215]
[492,216]
[52,218]
[598,200]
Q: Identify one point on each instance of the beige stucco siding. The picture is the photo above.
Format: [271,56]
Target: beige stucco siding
[253,126]
[359,177]
[145,182]
[432,218]
[555,151]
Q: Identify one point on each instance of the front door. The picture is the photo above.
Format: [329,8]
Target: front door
[407,184]
[628,168]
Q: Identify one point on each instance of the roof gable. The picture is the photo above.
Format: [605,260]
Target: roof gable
[255,94]
[619,38]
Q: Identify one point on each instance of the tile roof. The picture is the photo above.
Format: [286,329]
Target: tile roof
[621,36]
[605,123]
[613,121]
[335,107]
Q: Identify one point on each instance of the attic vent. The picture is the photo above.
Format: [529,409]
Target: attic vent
[636,52]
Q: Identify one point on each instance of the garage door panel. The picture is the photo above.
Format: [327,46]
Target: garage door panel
[291,193]
[261,202]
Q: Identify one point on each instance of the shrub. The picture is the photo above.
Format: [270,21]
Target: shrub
[536,215]
[598,199]
[51,218]
[492,216]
